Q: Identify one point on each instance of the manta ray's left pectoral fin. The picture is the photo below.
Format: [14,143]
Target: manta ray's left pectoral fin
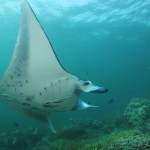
[83,105]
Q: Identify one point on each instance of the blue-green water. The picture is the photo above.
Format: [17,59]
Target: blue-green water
[106,42]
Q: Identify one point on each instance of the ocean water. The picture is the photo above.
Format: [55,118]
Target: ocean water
[106,42]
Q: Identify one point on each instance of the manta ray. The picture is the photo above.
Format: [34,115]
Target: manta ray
[35,83]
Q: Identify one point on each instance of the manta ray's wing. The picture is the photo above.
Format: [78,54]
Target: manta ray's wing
[33,58]
[34,67]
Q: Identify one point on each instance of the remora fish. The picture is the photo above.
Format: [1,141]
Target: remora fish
[35,82]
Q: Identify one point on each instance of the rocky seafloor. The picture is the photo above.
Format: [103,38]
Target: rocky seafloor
[129,130]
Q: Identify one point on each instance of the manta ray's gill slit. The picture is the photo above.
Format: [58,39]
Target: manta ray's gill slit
[26,104]
[50,105]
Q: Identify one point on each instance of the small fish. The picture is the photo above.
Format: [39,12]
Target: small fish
[16,124]
[111,101]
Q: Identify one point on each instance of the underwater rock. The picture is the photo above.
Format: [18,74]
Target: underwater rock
[137,112]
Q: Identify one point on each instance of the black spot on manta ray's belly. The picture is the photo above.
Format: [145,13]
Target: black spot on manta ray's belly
[50,105]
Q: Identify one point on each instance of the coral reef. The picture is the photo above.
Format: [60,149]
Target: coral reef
[122,140]
[141,142]
[118,139]
[137,112]
[23,139]
[129,130]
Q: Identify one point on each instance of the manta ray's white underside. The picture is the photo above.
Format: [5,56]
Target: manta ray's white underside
[35,82]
